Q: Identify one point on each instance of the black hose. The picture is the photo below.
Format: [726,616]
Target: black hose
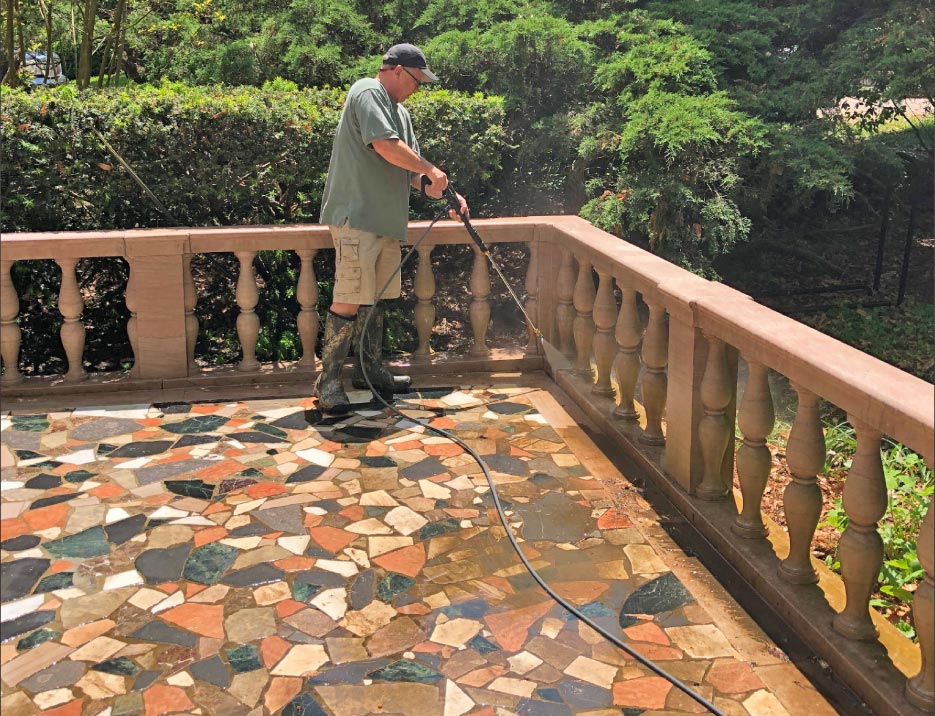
[652,666]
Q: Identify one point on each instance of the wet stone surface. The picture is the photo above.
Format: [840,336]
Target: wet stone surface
[258,558]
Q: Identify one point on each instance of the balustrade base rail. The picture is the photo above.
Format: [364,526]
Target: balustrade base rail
[876,671]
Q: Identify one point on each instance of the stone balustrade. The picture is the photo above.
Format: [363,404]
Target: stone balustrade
[655,354]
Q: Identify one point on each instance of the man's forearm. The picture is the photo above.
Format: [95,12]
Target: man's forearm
[399,153]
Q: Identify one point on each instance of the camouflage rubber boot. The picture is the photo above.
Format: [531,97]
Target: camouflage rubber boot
[385,382]
[329,390]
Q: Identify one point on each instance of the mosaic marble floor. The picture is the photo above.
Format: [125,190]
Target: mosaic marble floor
[255,558]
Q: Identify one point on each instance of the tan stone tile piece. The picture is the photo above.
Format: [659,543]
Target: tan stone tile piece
[346,649]
[33,661]
[99,649]
[399,635]
[76,636]
[763,703]
[703,641]
[248,687]
[387,698]
[301,660]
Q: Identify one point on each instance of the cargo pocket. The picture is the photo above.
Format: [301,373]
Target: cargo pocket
[349,279]
[350,251]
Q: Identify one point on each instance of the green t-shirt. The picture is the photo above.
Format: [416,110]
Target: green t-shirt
[362,187]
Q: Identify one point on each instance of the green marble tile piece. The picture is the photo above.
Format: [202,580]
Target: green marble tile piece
[270,430]
[433,529]
[198,424]
[60,580]
[91,542]
[302,592]
[206,565]
[244,658]
[393,585]
[122,666]
[30,423]
[405,670]
[36,638]
[79,476]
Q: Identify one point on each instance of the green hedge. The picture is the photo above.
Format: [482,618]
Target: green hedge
[212,156]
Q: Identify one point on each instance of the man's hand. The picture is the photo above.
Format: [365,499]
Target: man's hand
[439,182]
[464,209]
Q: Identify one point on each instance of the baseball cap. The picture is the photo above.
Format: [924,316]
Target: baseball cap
[408,56]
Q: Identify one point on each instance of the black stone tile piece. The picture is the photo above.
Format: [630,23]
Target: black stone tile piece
[143,448]
[197,424]
[269,430]
[189,440]
[165,634]
[299,420]
[362,591]
[313,550]
[507,464]
[76,476]
[25,623]
[545,482]
[353,673]
[306,474]
[163,565]
[627,621]
[58,676]
[27,454]
[320,578]
[105,448]
[190,488]
[91,542]
[36,638]
[429,467]
[54,500]
[357,434]
[173,408]
[44,481]
[121,666]
[18,544]
[59,580]
[211,670]
[258,574]
[580,695]
[125,529]
[378,461]
[146,679]
[471,609]
[632,711]
[438,392]
[255,436]
[433,529]
[509,408]
[251,530]
[531,707]
[303,705]
[662,594]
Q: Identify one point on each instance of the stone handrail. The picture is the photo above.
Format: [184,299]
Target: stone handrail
[661,380]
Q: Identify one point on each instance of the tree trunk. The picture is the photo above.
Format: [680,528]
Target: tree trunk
[10,77]
[83,77]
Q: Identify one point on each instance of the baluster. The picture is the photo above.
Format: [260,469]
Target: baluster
[655,358]
[805,455]
[714,428]
[565,313]
[754,460]
[248,323]
[605,316]
[71,305]
[424,287]
[584,321]
[860,548]
[480,304]
[629,332]
[191,321]
[920,689]
[306,293]
[10,334]
[532,297]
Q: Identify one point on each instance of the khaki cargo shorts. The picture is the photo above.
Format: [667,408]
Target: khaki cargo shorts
[363,264]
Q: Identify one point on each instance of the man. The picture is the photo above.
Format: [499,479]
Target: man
[374,162]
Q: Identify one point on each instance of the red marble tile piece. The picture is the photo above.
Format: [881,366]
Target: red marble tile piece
[191,589]
[52,603]
[272,649]
[408,445]
[219,470]
[427,647]
[462,513]
[443,423]
[518,452]
[209,534]
[443,450]
[511,628]
[295,564]
[482,677]
[72,708]
[163,699]
[613,519]
[160,499]
[150,422]
[733,677]
[216,507]
[79,635]
[109,490]
[204,619]
[645,692]
[205,408]
[47,517]
[236,422]
[288,607]
[273,535]
[501,583]
[581,592]
[280,692]
[265,489]
[332,539]
[496,434]
[168,587]
[649,632]
[660,653]
[440,477]
[486,711]
[408,560]
[13,527]
[416,608]
[355,513]
[312,520]
[377,449]
[61,565]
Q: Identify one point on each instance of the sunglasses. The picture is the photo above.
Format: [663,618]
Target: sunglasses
[418,81]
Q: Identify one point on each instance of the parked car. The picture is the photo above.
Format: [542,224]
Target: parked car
[35,65]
